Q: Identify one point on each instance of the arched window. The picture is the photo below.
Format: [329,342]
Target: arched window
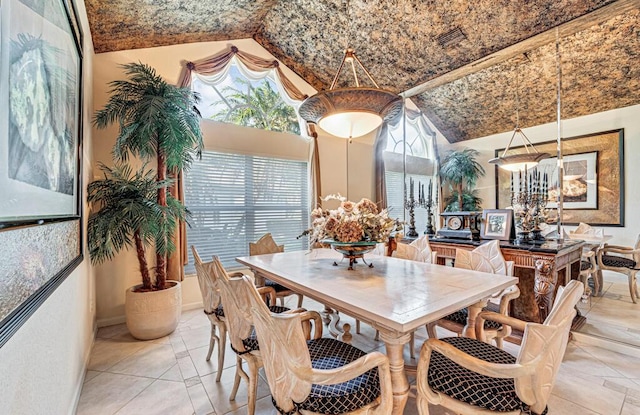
[239,100]
[409,154]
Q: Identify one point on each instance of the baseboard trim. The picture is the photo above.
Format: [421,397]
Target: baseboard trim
[112,321]
[87,357]
[603,343]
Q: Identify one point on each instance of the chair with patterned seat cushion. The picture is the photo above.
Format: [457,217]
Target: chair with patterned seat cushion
[321,375]
[266,245]
[472,377]
[626,260]
[485,258]
[240,329]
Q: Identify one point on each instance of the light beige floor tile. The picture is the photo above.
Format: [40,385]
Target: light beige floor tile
[574,362]
[112,331]
[582,389]
[187,369]
[561,406]
[194,338]
[173,373]
[625,365]
[200,400]
[176,342]
[108,392]
[90,375]
[108,352]
[152,362]
[199,355]
[631,407]
[160,398]
[219,392]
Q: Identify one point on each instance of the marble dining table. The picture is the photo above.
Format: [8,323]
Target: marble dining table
[395,296]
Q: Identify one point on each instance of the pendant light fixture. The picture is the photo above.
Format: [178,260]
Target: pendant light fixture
[517,162]
[352,111]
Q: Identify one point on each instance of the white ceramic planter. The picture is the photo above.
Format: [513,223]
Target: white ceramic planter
[154,314]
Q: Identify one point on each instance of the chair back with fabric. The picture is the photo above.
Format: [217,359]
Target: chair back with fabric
[236,307]
[545,344]
[492,252]
[211,301]
[283,348]
[472,260]
[410,252]
[208,287]
[422,243]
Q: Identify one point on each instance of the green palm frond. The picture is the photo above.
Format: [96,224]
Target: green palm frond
[461,166]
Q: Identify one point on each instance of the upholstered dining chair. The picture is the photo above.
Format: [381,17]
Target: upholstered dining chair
[240,329]
[319,376]
[266,245]
[485,258]
[469,376]
[407,251]
[625,260]
[212,308]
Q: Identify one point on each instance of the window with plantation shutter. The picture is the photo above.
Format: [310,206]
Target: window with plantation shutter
[234,199]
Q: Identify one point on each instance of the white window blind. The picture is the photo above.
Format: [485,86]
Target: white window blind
[235,199]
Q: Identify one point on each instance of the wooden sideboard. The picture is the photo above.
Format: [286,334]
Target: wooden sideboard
[540,268]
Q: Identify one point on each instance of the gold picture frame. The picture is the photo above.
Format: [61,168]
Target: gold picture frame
[609,171]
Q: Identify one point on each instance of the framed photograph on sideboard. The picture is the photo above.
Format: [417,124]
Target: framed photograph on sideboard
[497,224]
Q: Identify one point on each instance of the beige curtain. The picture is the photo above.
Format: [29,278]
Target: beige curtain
[316,187]
[177,260]
[378,160]
[216,63]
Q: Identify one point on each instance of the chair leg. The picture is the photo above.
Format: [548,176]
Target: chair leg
[212,341]
[236,381]
[431,330]
[357,326]
[253,386]
[499,342]
[300,297]
[412,346]
[281,301]
[423,405]
[222,346]
[377,336]
[633,288]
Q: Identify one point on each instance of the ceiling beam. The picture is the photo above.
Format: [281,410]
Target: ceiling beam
[566,29]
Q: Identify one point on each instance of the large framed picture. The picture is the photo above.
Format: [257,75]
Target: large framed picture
[593,179]
[41,70]
[497,224]
[40,154]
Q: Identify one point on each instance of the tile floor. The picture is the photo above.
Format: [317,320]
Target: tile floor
[613,315]
[170,375]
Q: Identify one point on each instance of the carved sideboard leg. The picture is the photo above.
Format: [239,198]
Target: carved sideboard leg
[544,286]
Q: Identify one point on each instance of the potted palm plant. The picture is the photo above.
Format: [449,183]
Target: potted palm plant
[156,121]
[461,171]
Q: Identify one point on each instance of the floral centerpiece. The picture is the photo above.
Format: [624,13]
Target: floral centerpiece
[351,222]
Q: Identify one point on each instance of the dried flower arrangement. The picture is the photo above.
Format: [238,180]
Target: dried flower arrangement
[351,222]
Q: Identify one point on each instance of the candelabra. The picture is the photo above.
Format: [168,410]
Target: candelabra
[410,204]
[529,201]
[428,204]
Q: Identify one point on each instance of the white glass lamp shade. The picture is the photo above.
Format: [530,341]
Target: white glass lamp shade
[518,162]
[351,112]
[350,124]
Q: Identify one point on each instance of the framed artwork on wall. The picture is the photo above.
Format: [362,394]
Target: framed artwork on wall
[593,181]
[40,154]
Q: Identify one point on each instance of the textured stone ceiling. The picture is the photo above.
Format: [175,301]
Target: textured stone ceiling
[397,41]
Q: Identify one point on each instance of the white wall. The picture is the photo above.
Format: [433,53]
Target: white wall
[43,364]
[627,118]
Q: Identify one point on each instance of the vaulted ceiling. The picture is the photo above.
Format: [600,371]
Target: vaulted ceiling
[460,61]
